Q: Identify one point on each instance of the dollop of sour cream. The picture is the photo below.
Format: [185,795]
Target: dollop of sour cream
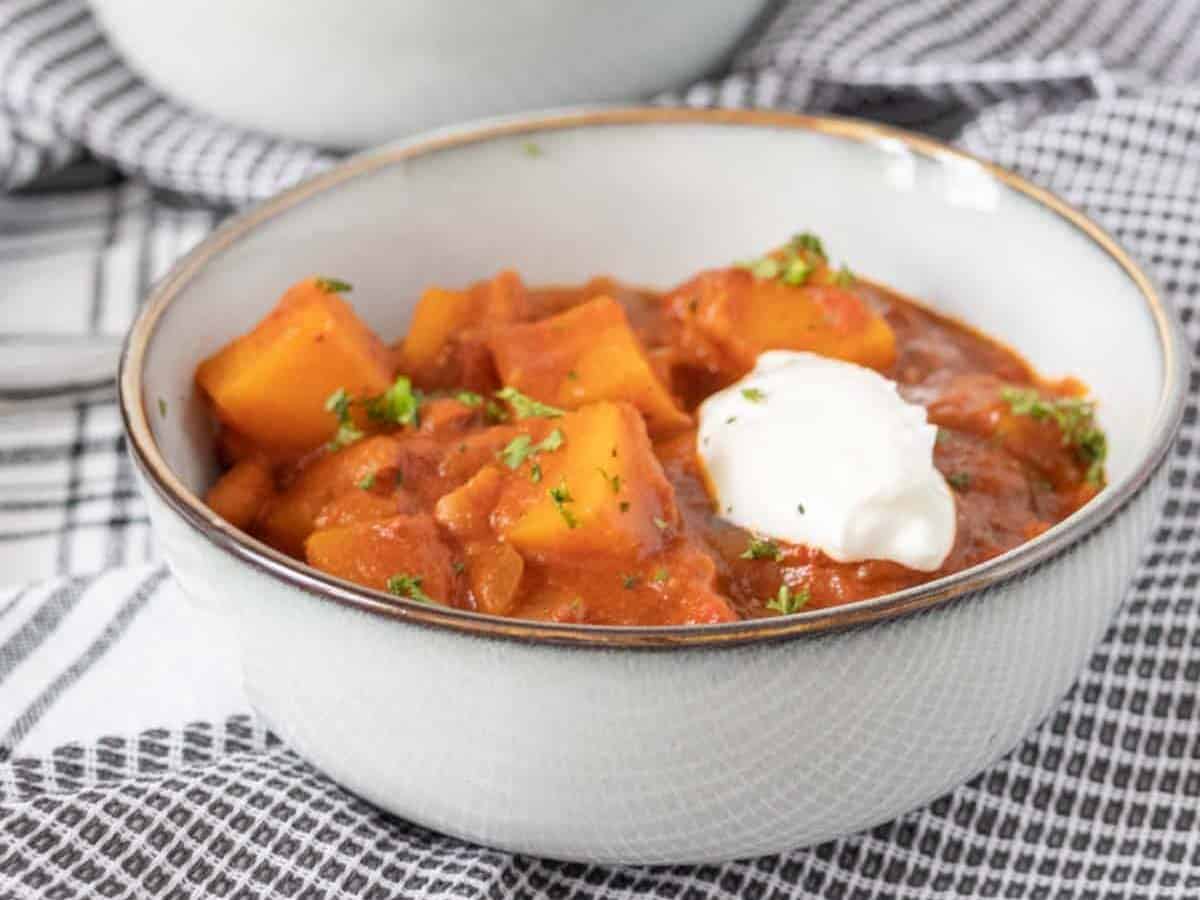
[816,451]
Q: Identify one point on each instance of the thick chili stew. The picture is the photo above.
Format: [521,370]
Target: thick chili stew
[533,452]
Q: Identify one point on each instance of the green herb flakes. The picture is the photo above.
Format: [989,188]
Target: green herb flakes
[398,405]
[754,395]
[960,481]
[334,285]
[787,601]
[516,451]
[561,496]
[494,412]
[796,272]
[526,407]
[366,482]
[408,586]
[1075,418]
[809,243]
[613,481]
[347,432]
[762,548]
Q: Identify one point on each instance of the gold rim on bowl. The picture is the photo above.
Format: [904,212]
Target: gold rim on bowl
[1015,562]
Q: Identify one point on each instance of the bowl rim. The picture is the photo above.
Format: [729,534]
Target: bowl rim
[934,594]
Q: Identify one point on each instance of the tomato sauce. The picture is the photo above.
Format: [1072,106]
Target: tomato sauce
[547,468]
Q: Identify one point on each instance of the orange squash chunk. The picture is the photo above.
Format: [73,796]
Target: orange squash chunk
[584,355]
[240,494]
[369,553]
[601,494]
[271,384]
[495,572]
[727,317]
[361,505]
[443,323]
[675,587]
[292,516]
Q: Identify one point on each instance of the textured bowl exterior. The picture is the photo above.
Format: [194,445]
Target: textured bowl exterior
[653,756]
[351,74]
[676,744]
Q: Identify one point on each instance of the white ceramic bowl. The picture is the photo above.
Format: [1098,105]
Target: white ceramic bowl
[351,73]
[669,744]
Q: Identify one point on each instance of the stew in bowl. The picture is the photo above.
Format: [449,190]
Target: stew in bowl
[766,437]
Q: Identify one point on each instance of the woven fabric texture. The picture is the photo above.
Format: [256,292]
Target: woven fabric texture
[184,793]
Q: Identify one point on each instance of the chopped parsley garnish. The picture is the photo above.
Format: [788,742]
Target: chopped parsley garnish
[399,477]
[788,601]
[399,404]
[660,524]
[762,548]
[810,243]
[731,420]
[764,268]
[572,375]
[535,473]
[494,412]
[623,506]
[661,575]
[458,567]
[1075,418]
[347,432]
[796,272]
[754,395]
[408,586]
[526,407]
[613,481]
[334,285]
[800,508]
[469,398]
[522,448]
[162,407]
[516,450]
[794,263]
[960,481]
[531,149]
[367,481]
[942,436]
[560,496]
[629,582]
[552,442]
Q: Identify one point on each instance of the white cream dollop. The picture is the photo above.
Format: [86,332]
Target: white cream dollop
[816,451]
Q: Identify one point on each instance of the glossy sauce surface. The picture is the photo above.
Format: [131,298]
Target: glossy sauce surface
[598,511]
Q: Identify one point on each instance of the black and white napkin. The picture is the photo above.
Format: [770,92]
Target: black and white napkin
[132,765]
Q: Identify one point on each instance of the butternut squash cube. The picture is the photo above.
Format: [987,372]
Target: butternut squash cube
[495,572]
[585,355]
[442,317]
[291,517]
[240,494]
[727,317]
[272,383]
[371,553]
[601,493]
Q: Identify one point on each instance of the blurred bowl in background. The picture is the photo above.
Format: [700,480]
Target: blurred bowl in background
[354,74]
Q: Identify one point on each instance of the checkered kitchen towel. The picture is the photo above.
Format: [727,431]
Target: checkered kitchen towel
[131,765]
